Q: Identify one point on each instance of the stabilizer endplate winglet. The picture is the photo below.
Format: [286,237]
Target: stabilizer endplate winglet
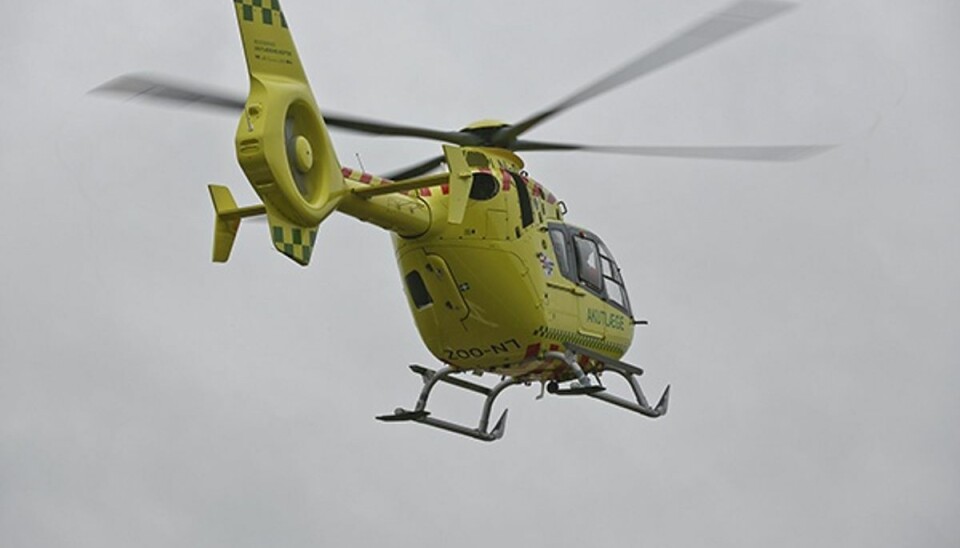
[224,230]
[227,222]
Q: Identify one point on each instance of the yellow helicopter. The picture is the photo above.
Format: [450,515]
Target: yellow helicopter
[497,281]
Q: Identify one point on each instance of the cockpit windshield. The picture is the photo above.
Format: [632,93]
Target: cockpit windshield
[616,289]
[584,259]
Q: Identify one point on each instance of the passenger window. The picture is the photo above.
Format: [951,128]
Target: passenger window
[588,261]
[418,290]
[560,250]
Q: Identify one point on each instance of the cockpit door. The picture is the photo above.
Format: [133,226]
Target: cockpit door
[587,252]
[602,305]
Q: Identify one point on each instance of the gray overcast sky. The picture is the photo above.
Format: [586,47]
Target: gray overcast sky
[806,314]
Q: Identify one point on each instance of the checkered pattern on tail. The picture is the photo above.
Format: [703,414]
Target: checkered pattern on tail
[296,243]
[267,12]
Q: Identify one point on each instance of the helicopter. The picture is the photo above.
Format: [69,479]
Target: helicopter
[498,282]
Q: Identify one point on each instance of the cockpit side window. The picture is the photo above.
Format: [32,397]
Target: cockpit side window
[588,263]
[562,251]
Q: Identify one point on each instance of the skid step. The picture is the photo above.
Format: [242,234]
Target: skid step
[401,415]
[574,389]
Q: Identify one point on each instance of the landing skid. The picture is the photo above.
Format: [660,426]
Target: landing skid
[581,386]
[630,374]
[430,380]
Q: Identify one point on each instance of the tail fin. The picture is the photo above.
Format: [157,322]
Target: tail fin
[282,142]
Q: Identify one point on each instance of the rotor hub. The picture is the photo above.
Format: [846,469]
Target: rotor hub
[490,133]
[304,154]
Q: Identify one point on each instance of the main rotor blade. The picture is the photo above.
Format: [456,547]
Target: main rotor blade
[775,153]
[373,127]
[156,88]
[133,86]
[735,18]
[416,170]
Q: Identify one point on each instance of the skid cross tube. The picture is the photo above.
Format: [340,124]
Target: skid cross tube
[430,380]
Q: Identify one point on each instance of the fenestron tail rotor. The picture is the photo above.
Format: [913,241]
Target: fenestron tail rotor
[282,141]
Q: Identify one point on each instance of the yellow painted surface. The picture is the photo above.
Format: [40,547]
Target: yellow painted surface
[282,143]
[497,299]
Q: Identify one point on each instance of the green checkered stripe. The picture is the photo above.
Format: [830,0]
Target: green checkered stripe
[562,336]
[295,243]
[264,11]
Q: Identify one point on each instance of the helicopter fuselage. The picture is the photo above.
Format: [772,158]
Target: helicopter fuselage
[511,282]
